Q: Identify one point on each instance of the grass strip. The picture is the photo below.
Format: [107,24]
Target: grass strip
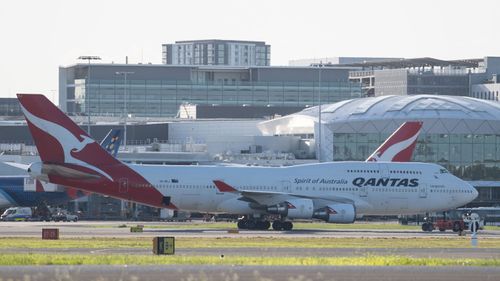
[249,242]
[368,260]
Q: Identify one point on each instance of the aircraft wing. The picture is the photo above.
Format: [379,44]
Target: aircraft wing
[274,197]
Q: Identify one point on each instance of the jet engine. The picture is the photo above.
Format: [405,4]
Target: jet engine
[293,208]
[336,213]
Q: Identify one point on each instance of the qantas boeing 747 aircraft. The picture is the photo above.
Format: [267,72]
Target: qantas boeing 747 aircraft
[335,192]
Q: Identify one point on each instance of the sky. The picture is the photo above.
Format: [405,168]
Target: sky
[36,37]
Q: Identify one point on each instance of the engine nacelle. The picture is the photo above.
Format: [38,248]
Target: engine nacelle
[293,208]
[336,213]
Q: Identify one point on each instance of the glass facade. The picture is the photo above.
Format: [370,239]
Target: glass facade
[217,52]
[452,85]
[468,156]
[162,98]
[10,107]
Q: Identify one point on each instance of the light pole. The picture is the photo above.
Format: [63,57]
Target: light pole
[87,88]
[319,113]
[124,73]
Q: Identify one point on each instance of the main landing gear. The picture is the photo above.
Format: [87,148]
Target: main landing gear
[255,224]
[282,225]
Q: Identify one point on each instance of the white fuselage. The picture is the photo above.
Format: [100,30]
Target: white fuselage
[382,188]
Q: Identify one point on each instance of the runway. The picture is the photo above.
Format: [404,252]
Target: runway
[228,272]
[235,273]
[112,229]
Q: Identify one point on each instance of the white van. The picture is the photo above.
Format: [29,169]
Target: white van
[16,214]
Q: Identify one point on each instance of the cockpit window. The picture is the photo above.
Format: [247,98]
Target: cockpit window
[443,171]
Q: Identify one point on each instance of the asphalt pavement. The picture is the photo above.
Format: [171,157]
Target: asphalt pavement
[239,273]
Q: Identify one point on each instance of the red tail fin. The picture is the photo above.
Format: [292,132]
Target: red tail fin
[400,145]
[71,158]
[39,186]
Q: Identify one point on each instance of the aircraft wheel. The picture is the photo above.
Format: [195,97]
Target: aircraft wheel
[251,224]
[266,225]
[287,225]
[424,227]
[442,229]
[263,225]
[277,225]
[456,226]
[242,224]
[427,227]
[430,227]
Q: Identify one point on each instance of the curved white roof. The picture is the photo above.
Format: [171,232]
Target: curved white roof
[440,114]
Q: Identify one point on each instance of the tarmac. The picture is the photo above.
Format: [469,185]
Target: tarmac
[223,272]
[239,273]
[111,229]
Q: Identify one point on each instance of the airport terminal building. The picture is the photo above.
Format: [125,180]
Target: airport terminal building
[175,112]
[159,90]
[459,133]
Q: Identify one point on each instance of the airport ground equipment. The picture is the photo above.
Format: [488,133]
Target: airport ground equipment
[50,233]
[137,228]
[164,245]
[64,216]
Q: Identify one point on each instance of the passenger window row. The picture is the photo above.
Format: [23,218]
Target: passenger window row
[451,191]
[405,172]
[363,171]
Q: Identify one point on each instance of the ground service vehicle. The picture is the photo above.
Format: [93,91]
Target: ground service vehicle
[16,214]
[444,224]
[64,216]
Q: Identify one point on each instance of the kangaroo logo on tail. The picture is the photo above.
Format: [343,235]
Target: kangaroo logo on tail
[69,142]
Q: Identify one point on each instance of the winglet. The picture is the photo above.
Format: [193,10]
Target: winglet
[224,187]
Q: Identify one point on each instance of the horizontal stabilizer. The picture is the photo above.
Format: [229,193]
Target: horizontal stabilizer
[66,172]
[18,165]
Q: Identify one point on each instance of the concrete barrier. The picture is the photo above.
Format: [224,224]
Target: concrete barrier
[50,233]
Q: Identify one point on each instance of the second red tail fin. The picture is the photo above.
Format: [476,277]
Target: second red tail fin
[400,145]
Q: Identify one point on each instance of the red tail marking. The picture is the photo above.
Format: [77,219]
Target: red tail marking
[224,187]
[56,132]
[405,132]
[38,186]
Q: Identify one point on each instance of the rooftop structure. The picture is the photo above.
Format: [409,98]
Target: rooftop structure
[217,52]
[423,76]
